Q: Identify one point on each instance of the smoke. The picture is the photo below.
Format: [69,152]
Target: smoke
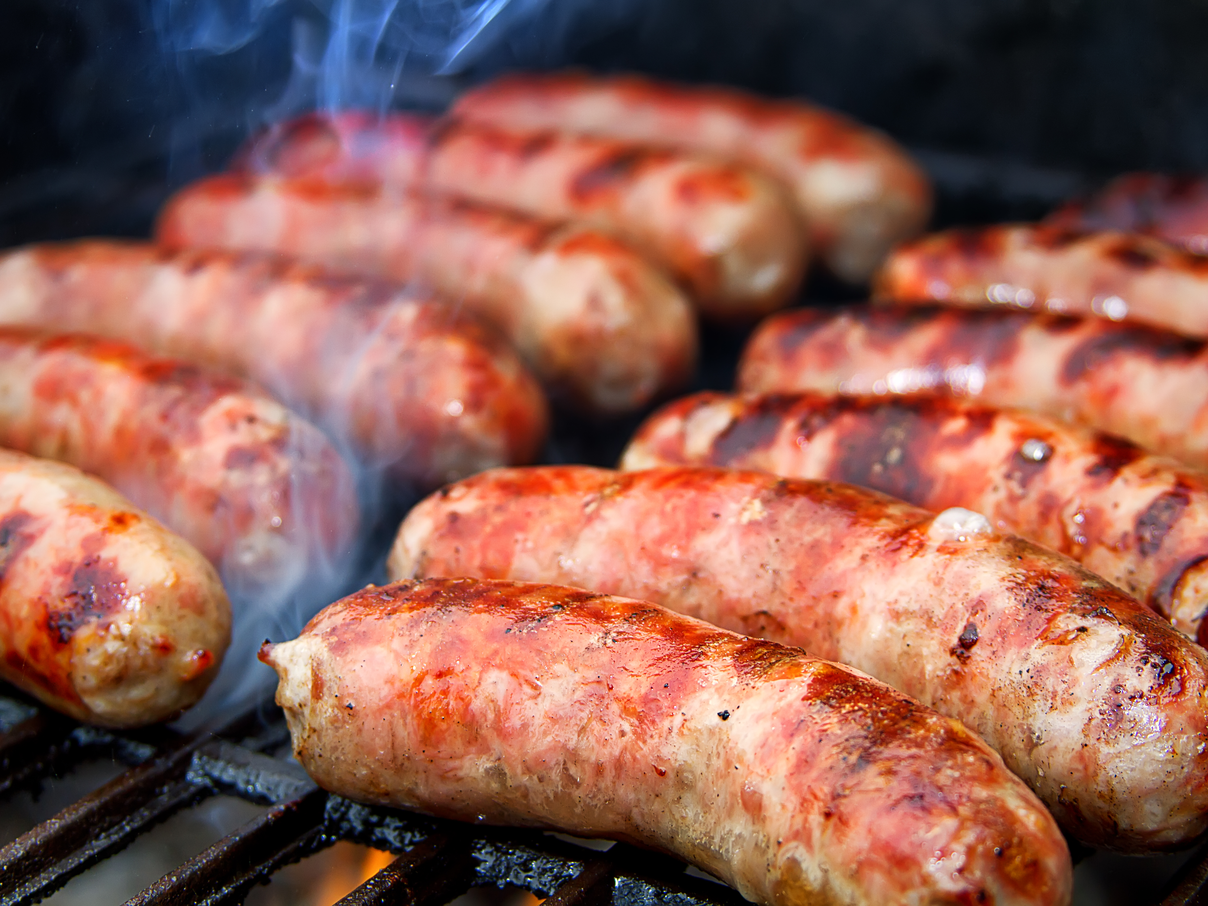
[344,53]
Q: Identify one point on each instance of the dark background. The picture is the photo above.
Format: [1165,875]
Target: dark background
[1010,103]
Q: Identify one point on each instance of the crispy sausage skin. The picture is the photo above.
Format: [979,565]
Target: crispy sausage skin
[258,490]
[1140,521]
[406,382]
[1118,276]
[105,615]
[601,327]
[795,780]
[1096,702]
[1173,208]
[730,234]
[857,191]
[1147,385]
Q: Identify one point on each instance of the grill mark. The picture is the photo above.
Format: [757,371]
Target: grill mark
[17,533]
[1112,455]
[985,336]
[1054,238]
[1130,253]
[756,428]
[1155,523]
[610,170]
[1155,345]
[96,588]
[888,448]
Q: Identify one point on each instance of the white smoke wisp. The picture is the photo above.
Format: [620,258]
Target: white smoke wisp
[367,54]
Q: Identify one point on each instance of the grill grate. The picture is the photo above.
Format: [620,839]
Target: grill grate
[437,860]
[167,772]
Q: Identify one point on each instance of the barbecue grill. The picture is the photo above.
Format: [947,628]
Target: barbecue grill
[1096,87]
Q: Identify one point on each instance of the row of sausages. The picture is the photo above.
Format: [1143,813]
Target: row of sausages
[615,716]
[1085,693]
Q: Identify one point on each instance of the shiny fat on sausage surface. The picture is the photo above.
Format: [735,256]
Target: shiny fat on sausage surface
[1138,520]
[1148,385]
[105,615]
[857,190]
[1094,700]
[1118,276]
[258,490]
[602,328]
[406,382]
[794,780]
[728,233]
[1171,207]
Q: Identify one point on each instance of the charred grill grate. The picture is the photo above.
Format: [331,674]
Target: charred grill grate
[167,772]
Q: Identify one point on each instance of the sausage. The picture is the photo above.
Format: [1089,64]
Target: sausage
[857,190]
[105,615]
[1090,697]
[795,780]
[404,381]
[1173,208]
[1138,520]
[604,330]
[728,233]
[1147,385]
[260,492]
[1118,276]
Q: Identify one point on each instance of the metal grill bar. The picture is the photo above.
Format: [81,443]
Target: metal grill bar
[227,870]
[435,871]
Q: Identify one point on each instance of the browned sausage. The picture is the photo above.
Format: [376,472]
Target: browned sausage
[1147,385]
[858,192]
[406,382]
[258,490]
[1118,276]
[1094,700]
[603,329]
[795,780]
[1173,208]
[104,614]
[729,233]
[1140,521]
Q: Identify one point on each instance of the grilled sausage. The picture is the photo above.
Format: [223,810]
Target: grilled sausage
[602,328]
[1173,208]
[406,382]
[795,780]
[1140,521]
[1097,703]
[729,233]
[1117,276]
[259,491]
[1147,385]
[105,615]
[857,191]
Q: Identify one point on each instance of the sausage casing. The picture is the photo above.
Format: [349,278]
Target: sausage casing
[258,490]
[1084,692]
[728,233]
[795,780]
[603,329]
[1147,385]
[409,384]
[104,614]
[1172,208]
[857,191]
[1140,521]
[1118,276]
